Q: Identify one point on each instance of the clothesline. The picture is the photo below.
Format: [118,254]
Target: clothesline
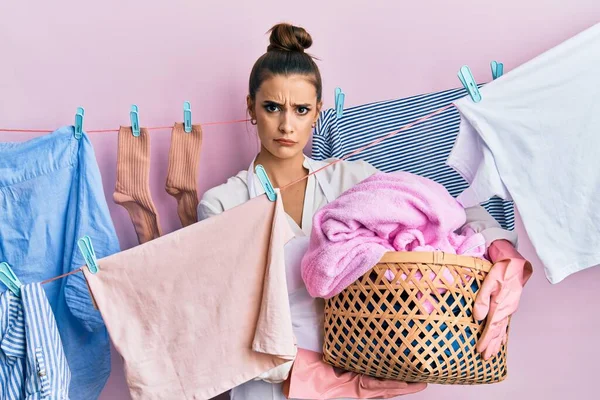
[153,128]
[373,143]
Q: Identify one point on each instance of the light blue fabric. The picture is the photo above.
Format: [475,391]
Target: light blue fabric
[32,360]
[51,195]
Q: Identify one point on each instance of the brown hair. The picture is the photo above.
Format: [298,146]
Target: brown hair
[285,56]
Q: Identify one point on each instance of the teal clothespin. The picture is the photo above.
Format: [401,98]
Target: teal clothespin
[497,69]
[8,277]
[466,77]
[79,122]
[135,120]
[340,97]
[265,182]
[187,117]
[87,250]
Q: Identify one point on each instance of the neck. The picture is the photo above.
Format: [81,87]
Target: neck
[281,171]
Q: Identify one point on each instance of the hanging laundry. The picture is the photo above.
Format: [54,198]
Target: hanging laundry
[51,195]
[534,138]
[422,149]
[203,309]
[32,360]
[182,174]
[385,212]
[132,189]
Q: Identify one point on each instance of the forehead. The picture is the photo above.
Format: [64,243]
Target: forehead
[283,88]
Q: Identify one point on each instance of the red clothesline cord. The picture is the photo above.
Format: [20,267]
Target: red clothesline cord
[373,143]
[63,275]
[153,128]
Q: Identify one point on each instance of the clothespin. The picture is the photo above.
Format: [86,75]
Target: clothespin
[8,277]
[265,182]
[79,122]
[187,116]
[466,77]
[339,102]
[87,250]
[135,120]
[497,69]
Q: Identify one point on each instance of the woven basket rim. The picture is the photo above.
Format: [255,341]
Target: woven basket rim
[436,258]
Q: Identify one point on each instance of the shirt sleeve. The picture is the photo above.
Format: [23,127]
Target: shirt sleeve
[479,220]
[207,210]
[473,160]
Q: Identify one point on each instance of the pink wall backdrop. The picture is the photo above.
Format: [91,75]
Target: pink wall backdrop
[107,55]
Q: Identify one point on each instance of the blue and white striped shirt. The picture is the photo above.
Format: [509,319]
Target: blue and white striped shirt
[423,149]
[32,361]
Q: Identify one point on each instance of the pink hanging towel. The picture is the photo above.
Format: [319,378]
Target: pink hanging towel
[201,310]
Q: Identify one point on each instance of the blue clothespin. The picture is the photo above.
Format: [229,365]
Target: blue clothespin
[466,77]
[265,182]
[339,102]
[135,120]
[87,250]
[8,277]
[79,122]
[497,69]
[187,117]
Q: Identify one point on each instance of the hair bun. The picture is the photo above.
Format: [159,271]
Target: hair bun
[286,37]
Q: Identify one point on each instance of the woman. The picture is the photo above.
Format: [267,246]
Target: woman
[284,101]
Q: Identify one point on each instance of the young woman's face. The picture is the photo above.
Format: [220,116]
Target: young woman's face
[285,110]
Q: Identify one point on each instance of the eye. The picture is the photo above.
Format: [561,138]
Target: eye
[271,108]
[303,110]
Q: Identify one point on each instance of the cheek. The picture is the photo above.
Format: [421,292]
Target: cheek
[267,128]
[305,132]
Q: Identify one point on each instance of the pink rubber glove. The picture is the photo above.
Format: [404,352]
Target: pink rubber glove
[499,295]
[311,378]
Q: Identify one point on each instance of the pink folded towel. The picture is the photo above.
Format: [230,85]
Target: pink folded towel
[386,212]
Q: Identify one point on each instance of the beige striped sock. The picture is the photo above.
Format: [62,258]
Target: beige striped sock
[133,183]
[182,174]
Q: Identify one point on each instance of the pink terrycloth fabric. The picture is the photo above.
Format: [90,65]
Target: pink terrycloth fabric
[201,310]
[387,212]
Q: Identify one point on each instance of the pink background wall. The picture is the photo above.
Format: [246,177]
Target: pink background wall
[106,55]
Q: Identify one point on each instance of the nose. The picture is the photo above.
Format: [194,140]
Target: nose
[286,125]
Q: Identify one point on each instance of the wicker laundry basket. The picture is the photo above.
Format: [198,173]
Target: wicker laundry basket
[410,318]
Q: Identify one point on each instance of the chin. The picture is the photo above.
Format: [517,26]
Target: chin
[285,153]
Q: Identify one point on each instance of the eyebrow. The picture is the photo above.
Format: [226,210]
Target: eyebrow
[266,102]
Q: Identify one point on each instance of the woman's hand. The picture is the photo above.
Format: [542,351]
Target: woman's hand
[311,378]
[499,295]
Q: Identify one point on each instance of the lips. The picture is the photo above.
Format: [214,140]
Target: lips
[285,142]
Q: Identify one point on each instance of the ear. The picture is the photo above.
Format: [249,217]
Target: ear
[250,105]
[318,109]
